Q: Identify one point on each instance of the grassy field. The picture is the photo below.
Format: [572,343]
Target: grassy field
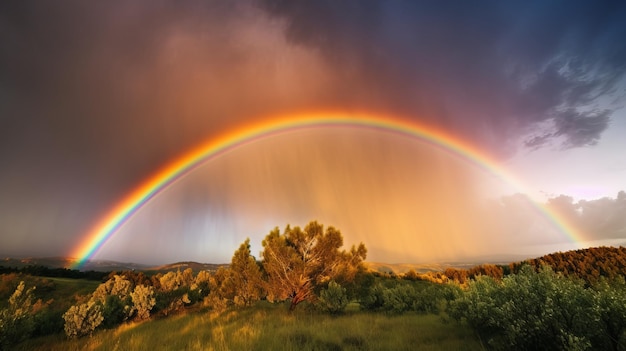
[272,327]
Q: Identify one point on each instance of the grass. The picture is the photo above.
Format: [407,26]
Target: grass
[68,287]
[272,327]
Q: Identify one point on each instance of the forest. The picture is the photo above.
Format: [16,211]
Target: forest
[573,300]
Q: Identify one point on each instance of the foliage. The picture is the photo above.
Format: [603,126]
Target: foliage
[16,321]
[82,319]
[114,298]
[143,301]
[334,298]
[529,311]
[590,265]
[299,261]
[114,310]
[610,301]
[116,286]
[168,302]
[399,298]
[245,281]
[375,299]
[220,295]
[174,280]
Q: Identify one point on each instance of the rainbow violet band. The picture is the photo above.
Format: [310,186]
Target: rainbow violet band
[178,168]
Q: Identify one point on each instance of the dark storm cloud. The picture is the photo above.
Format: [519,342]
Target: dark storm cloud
[579,128]
[497,70]
[90,103]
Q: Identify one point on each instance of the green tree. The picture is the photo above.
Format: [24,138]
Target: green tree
[334,298]
[245,279]
[300,261]
[610,301]
[529,311]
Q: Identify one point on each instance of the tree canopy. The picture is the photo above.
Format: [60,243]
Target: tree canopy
[299,261]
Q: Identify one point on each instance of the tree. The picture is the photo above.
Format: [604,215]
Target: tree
[610,300]
[245,278]
[299,261]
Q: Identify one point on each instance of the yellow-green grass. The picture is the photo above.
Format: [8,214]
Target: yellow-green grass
[272,327]
[62,292]
[68,287]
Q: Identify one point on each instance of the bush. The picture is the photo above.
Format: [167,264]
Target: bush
[82,319]
[334,298]
[16,321]
[399,298]
[529,311]
[143,301]
[375,299]
[117,286]
[114,310]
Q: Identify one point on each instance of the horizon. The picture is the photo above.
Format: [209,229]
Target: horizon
[492,259]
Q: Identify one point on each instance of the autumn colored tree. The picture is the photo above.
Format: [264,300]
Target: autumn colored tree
[245,279]
[299,261]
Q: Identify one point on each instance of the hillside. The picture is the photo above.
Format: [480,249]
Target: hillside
[195,266]
[587,264]
[69,263]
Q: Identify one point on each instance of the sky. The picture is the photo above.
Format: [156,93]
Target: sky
[97,96]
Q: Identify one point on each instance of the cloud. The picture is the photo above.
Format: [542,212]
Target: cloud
[599,219]
[495,71]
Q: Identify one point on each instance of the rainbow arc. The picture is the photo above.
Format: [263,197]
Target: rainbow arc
[188,162]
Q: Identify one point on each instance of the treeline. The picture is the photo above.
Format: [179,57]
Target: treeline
[43,271]
[589,265]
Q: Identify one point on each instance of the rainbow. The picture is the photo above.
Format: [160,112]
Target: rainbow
[189,161]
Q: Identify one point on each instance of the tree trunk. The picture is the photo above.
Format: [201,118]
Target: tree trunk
[293,305]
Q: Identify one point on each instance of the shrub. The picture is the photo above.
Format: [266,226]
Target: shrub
[529,311]
[16,321]
[399,298]
[143,301]
[114,310]
[375,299]
[334,298]
[82,319]
[118,286]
